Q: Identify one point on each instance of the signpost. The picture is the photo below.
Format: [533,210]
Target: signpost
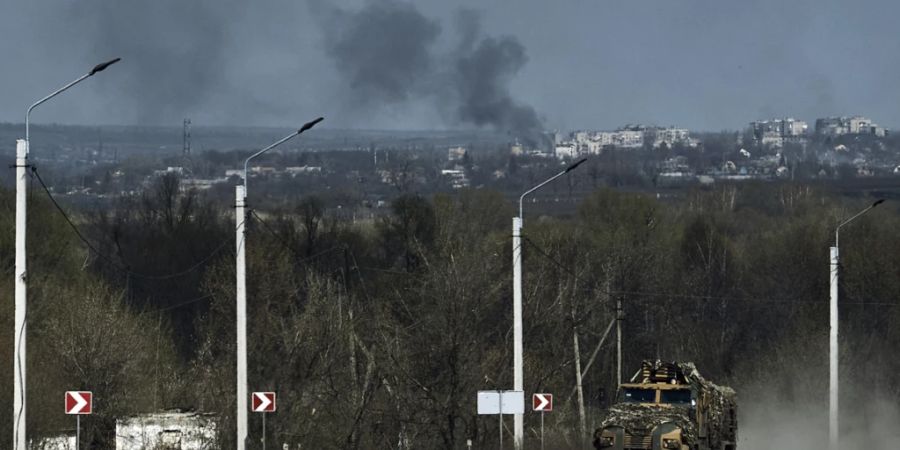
[77,404]
[263,402]
[500,403]
[542,403]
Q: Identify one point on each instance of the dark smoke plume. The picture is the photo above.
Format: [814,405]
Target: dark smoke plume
[385,53]
[174,51]
[481,84]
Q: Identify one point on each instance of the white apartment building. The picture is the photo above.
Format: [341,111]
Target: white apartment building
[566,150]
[837,126]
[456,153]
[629,138]
[671,136]
[777,132]
[585,142]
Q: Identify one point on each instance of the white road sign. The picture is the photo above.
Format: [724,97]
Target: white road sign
[501,402]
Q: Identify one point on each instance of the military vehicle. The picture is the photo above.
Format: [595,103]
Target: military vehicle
[671,407]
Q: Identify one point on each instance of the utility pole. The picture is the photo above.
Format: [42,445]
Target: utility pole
[518,375]
[21,274]
[833,380]
[21,289]
[240,216]
[518,382]
[833,352]
[619,317]
[186,139]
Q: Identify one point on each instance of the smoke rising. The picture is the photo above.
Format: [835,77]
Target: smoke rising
[174,52]
[383,51]
[481,84]
[387,54]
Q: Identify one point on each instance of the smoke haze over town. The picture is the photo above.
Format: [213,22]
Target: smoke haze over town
[705,65]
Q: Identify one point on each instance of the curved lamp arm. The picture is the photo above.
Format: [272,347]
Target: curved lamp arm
[305,127]
[98,68]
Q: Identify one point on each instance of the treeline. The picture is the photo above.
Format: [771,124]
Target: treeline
[379,334]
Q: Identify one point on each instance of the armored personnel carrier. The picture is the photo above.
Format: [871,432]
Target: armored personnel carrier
[669,405]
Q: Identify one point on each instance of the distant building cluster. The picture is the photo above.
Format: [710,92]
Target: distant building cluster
[778,132]
[838,126]
[264,171]
[582,143]
[456,175]
[456,153]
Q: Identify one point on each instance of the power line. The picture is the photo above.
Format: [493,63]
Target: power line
[694,296]
[345,247]
[177,305]
[283,243]
[112,262]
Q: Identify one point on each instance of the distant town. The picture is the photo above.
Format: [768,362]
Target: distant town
[356,171]
[774,148]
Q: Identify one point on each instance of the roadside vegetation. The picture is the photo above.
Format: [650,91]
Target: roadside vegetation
[378,334]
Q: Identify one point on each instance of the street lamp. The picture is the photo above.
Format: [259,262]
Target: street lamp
[517,300]
[833,338]
[240,218]
[19,353]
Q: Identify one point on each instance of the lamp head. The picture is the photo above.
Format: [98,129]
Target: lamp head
[310,124]
[102,66]
[878,202]
[573,166]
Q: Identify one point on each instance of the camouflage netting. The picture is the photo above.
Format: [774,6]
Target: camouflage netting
[720,403]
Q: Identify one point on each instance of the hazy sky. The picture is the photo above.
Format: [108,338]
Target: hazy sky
[703,64]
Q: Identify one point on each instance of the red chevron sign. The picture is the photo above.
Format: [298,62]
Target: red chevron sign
[542,402]
[262,402]
[79,402]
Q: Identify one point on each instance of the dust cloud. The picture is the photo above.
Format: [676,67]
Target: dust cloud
[768,423]
[783,402]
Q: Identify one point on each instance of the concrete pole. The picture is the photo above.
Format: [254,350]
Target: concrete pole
[240,203]
[833,355]
[518,370]
[519,426]
[240,219]
[618,341]
[582,421]
[19,417]
[19,378]
[833,379]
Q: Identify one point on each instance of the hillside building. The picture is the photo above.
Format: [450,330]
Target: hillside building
[838,126]
[777,132]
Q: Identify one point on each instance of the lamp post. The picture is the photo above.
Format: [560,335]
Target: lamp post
[19,352]
[240,219]
[833,337]
[517,300]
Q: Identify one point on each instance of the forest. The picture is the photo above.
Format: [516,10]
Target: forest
[379,333]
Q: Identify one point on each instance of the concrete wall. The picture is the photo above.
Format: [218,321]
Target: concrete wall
[62,442]
[169,431]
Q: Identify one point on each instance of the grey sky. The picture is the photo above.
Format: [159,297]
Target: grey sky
[704,64]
